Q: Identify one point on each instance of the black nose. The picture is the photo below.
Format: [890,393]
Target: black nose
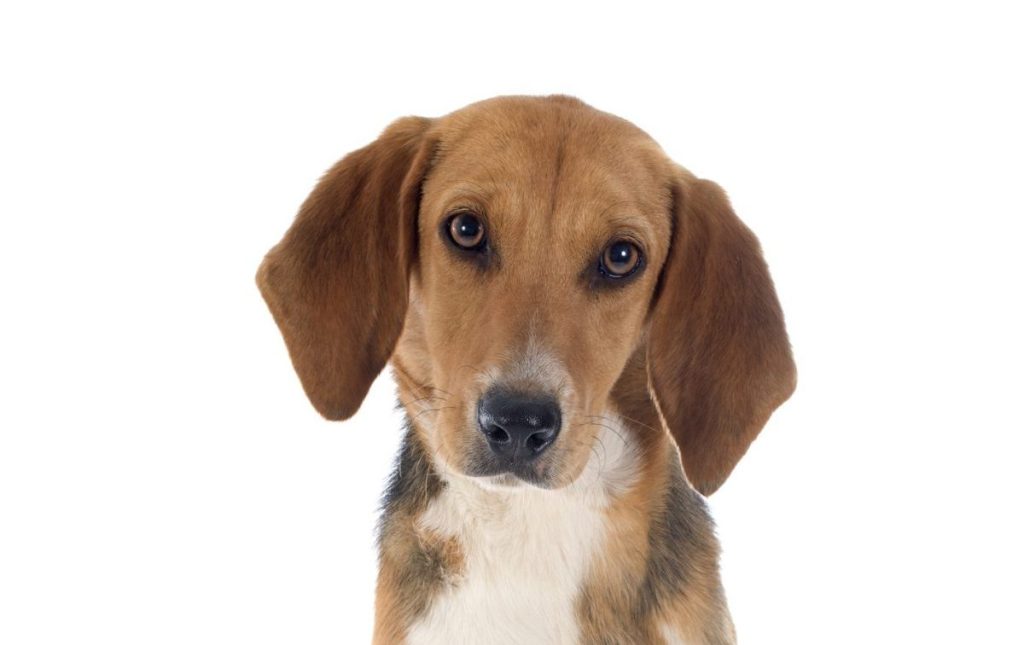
[518,426]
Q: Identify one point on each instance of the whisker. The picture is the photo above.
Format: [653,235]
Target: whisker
[610,428]
[604,459]
[479,372]
[625,418]
[422,412]
[427,398]
[411,382]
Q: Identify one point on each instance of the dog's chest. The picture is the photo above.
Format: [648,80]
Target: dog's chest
[525,557]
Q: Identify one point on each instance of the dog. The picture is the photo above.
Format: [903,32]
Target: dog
[585,340]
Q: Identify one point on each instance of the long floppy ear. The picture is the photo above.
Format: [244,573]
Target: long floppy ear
[719,361]
[337,283]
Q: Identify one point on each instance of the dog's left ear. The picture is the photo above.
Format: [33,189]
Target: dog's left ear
[719,360]
[338,283]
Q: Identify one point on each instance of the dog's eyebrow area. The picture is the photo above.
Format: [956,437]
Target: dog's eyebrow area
[465,198]
[635,228]
[578,219]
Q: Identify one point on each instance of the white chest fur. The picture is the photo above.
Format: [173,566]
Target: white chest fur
[526,554]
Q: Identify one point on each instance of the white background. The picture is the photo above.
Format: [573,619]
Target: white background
[163,478]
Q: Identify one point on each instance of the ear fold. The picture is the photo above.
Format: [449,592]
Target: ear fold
[337,283]
[719,360]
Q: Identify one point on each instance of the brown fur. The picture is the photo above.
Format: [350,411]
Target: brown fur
[695,342]
[719,356]
[356,228]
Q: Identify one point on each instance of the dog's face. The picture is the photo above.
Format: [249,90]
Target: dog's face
[516,260]
[539,249]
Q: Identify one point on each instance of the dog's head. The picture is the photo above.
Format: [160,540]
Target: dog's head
[524,262]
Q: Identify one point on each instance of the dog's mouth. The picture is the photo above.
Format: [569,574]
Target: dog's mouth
[510,473]
[503,481]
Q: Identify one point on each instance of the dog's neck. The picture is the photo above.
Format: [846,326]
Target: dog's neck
[477,549]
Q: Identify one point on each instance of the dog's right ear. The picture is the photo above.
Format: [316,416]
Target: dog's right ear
[337,283]
[719,360]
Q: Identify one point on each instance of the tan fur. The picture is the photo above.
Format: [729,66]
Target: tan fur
[720,361]
[357,227]
[695,343]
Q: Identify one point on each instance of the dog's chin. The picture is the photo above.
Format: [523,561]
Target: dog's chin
[503,482]
[506,477]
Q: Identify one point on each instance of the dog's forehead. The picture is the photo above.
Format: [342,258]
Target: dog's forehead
[547,159]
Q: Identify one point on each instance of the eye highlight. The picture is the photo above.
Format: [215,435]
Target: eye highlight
[466,231]
[620,259]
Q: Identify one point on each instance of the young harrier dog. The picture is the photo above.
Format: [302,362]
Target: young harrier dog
[585,339]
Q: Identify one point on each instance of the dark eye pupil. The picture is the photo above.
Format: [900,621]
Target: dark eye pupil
[621,253]
[467,226]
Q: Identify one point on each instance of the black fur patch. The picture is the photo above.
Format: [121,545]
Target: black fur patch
[680,538]
[413,482]
[415,570]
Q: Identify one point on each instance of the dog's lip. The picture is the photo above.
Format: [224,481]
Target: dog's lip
[504,480]
[530,476]
[508,470]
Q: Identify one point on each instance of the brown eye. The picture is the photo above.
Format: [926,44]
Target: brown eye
[467,231]
[620,259]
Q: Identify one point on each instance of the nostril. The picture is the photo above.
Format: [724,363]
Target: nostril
[497,434]
[538,441]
